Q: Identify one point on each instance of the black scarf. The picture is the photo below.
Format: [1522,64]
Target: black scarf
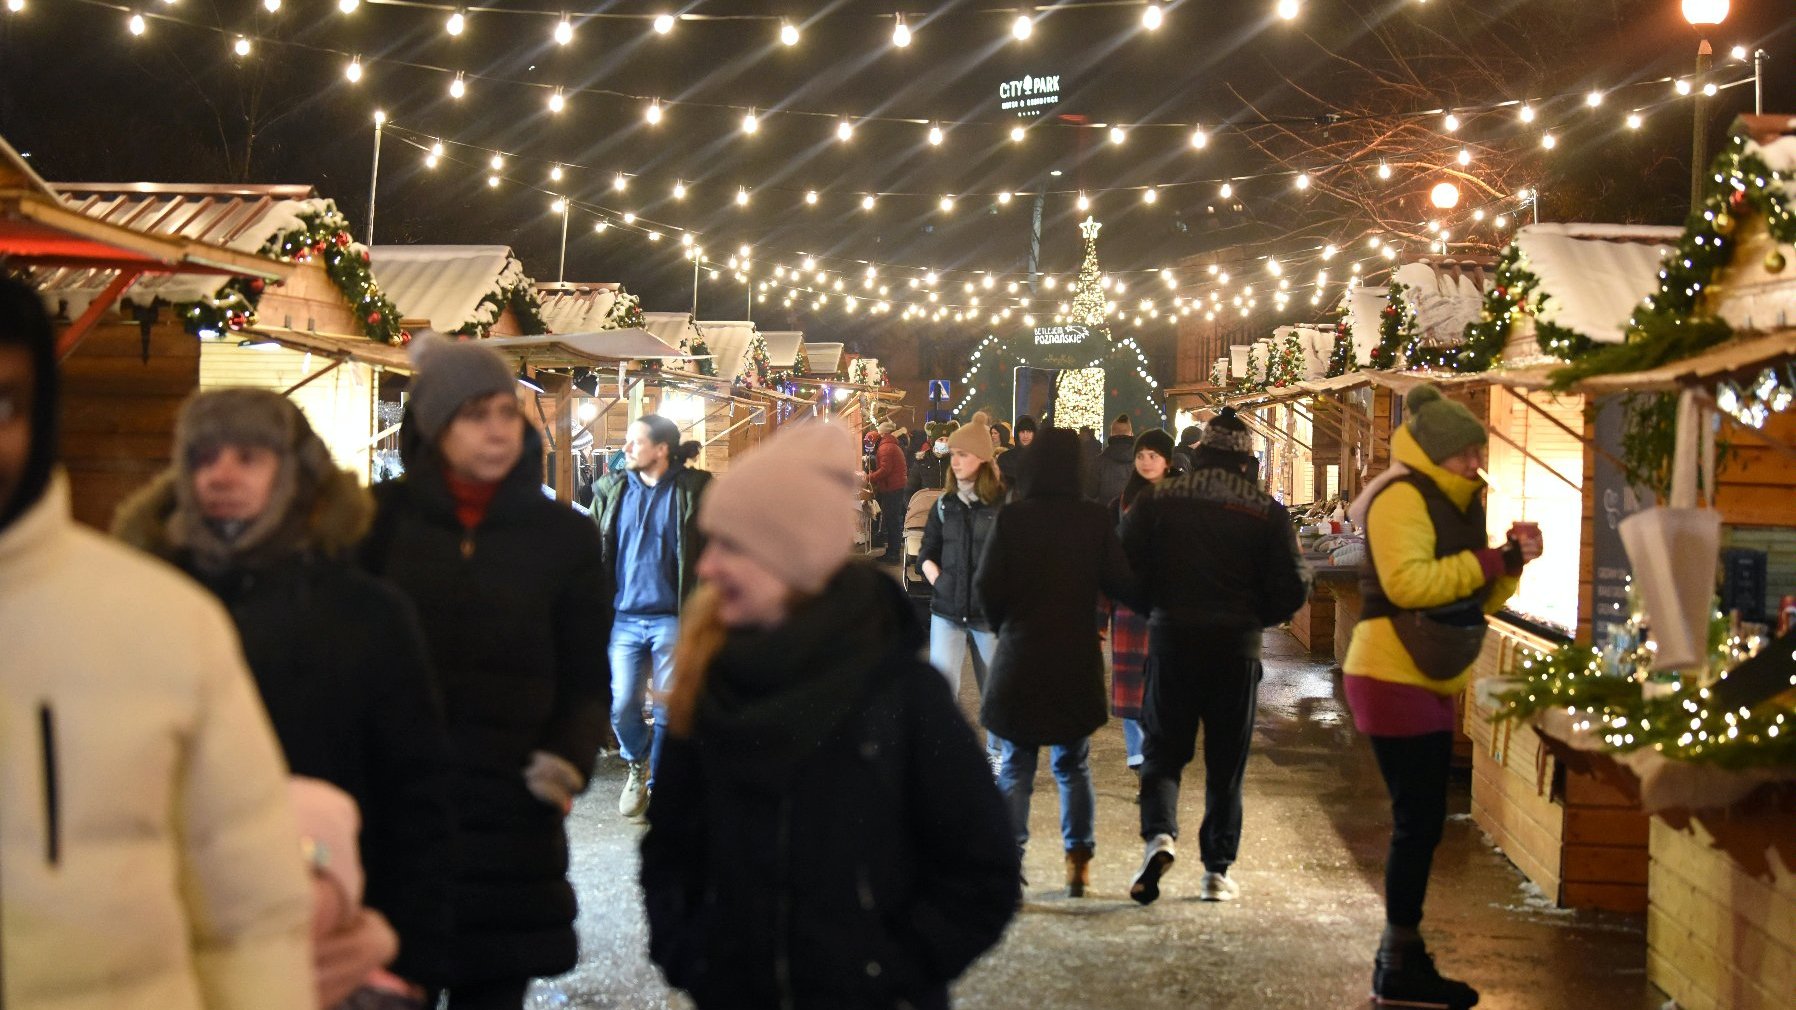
[774,696]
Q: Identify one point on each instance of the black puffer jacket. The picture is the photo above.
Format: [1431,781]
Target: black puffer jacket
[340,666]
[515,616]
[829,838]
[1113,467]
[1046,562]
[928,472]
[954,538]
[1214,551]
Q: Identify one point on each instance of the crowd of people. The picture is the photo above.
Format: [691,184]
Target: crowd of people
[286,742]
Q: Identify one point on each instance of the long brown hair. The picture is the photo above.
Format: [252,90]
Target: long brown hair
[702,634]
[988,483]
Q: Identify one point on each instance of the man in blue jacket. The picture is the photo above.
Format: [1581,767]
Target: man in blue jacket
[648,521]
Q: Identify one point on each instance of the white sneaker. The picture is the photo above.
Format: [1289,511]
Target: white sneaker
[1218,887]
[634,800]
[1158,858]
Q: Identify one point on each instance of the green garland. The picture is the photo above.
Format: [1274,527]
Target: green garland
[625,312]
[1681,725]
[520,298]
[1671,323]
[1397,335]
[1286,367]
[1515,291]
[704,363]
[1251,382]
[323,233]
[760,363]
[1341,358]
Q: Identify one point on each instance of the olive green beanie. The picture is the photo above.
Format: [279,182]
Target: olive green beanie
[1443,428]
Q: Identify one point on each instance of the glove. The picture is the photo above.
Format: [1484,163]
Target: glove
[553,780]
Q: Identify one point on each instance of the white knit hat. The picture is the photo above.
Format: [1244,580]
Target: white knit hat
[791,503]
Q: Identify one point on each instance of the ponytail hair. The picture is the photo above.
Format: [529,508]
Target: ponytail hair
[684,453]
[663,431]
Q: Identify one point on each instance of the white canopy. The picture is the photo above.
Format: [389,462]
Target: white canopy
[825,359]
[728,341]
[577,308]
[443,283]
[671,327]
[1594,276]
[783,346]
[628,344]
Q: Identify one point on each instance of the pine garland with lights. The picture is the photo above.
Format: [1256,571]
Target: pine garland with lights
[1341,358]
[1287,366]
[758,364]
[1514,292]
[1397,334]
[625,313]
[1254,380]
[323,234]
[866,372]
[702,362]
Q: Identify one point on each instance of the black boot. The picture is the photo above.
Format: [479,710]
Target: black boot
[1403,976]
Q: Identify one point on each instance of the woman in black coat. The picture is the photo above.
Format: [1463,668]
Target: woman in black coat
[824,833]
[1050,554]
[510,589]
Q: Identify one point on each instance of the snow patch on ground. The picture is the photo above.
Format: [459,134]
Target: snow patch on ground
[1536,902]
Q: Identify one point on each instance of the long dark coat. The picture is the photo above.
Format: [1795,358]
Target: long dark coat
[516,618]
[863,868]
[1046,562]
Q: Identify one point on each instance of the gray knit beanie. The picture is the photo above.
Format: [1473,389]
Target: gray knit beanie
[1227,433]
[449,374]
[1443,428]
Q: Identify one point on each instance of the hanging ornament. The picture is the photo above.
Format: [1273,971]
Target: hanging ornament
[342,239]
[405,336]
[364,255]
[1737,199]
[374,318]
[256,284]
[1775,262]
[1724,223]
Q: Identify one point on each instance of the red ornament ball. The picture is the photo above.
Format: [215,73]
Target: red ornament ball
[342,239]
[374,317]
[1737,199]
[256,284]
[364,255]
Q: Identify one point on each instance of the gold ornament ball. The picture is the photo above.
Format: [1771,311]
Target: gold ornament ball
[1775,261]
[1724,223]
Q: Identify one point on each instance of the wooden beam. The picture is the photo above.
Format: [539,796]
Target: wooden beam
[321,373]
[1512,443]
[71,337]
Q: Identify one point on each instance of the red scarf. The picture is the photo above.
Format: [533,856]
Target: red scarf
[471,497]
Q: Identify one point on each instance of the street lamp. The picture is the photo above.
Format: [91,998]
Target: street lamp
[1701,14]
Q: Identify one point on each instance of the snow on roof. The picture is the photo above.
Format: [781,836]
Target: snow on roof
[671,327]
[782,347]
[444,283]
[1780,154]
[577,308]
[824,358]
[1592,277]
[1365,303]
[1444,301]
[728,341]
[240,218]
[625,344]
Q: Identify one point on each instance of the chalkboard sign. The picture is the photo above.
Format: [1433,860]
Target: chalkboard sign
[1615,501]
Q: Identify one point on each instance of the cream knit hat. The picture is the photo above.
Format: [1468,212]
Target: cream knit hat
[976,439]
[791,503]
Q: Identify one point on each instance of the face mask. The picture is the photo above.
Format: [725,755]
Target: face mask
[941,448]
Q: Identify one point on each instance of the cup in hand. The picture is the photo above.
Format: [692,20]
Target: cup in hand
[1528,535]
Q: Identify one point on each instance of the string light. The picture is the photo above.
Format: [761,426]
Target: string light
[1084,202]
[867,202]
[1548,141]
[653,113]
[1287,9]
[492,182]
[900,33]
[1303,180]
[1117,135]
[663,24]
[1384,170]
[457,21]
[1017,134]
[1682,86]
[557,101]
[564,31]
[1004,197]
[600,225]
[1200,139]
[15,6]
[788,33]
[844,131]
[1635,121]
[1227,191]
[346,6]
[1465,156]
[1150,195]
[555,174]
[935,136]
[1151,16]
[629,217]
[1593,99]
[741,196]
[353,72]
[1023,26]
[679,190]
[750,122]
[497,162]
[947,204]
[458,88]
[1451,123]
[271,6]
[810,197]
[240,47]
[620,182]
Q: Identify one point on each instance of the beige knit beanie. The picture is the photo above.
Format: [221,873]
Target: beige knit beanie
[976,439]
[791,503]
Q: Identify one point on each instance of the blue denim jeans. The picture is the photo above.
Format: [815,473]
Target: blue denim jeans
[642,654]
[948,648]
[1078,800]
[1132,741]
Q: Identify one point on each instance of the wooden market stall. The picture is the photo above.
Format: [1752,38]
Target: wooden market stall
[470,290]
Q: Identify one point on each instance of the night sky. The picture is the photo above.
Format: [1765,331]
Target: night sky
[92,103]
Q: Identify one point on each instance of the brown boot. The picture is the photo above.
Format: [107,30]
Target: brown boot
[1078,871]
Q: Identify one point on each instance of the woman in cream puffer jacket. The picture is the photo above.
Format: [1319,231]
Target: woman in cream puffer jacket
[148,856]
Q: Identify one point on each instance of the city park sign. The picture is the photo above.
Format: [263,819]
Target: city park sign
[1029,95]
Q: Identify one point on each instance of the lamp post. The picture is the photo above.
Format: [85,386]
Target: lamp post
[1701,14]
[562,207]
[380,120]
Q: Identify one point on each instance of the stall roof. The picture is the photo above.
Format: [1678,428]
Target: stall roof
[671,328]
[782,347]
[557,350]
[1595,275]
[1743,356]
[825,358]
[443,283]
[728,341]
[577,308]
[392,357]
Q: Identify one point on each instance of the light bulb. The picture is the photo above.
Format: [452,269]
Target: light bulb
[901,33]
[271,5]
[619,182]
[653,114]
[741,196]
[844,130]
[1384,170]
[353,72]
[1022,27]
[1635,121]
[749,122]
[1004,197]
[1084,202]
[564,31]
[457,21]
[240,47]
[1465,156]
[1017,134]
[1117,135]
[1682,86]
[492,182]
[555,174]
[1303,180]
[935,136]
[497,162]
[629,217]
[867,202]
[663,24]
[436,149]
[1150,195]
[348,6]
[557,101]
[654,236]
[559,206]
[947,204]
[679,190]
[1549,141]
[1451,123]
[1710,90]
[1226,191]
[1594,99]
[137,28]
[810,197]
[430,161]
[458,87]
[788,33]
[686,239]
[1527,113]
[15,6]
[1287,9]
[1151,16]
[1200,139]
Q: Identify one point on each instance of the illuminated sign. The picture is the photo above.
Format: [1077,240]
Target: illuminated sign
[1048,336]
[1028,95]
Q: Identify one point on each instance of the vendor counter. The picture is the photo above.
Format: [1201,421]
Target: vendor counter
[1324,624]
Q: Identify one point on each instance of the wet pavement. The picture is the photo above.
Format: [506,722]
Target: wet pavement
[1301,936]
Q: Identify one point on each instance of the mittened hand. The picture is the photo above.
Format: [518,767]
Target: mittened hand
[1528,536]
[553,780]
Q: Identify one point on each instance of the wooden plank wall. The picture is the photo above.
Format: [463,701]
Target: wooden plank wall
[118,410]
[1524,489]
[1720,933]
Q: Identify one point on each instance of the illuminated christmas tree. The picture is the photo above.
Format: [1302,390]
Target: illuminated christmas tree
[1127,387]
